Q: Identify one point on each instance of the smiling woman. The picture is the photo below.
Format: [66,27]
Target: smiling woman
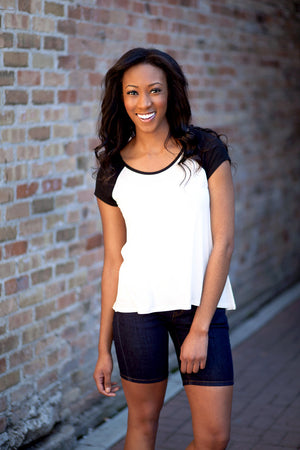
[165,195]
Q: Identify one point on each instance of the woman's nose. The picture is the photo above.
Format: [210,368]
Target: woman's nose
[144,100]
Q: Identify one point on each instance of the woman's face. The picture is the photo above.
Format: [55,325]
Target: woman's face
[145,96]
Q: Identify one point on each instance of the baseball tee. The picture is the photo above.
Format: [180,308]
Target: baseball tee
[169,239]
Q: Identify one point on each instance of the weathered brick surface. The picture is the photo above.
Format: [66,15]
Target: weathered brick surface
[242,63]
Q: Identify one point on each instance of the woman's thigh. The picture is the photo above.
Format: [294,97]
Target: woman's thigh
[211,412]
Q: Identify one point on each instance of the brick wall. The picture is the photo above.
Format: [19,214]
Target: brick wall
[242,62]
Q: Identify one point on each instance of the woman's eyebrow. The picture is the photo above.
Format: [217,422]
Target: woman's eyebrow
[149,85]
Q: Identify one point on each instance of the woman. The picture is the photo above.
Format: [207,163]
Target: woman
[165,194]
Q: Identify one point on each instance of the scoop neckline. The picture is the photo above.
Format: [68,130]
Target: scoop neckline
[156,171]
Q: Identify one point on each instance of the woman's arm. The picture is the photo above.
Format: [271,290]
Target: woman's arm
[194,348]
[114,234]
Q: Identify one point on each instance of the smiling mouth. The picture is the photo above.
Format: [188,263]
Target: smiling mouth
[146,117]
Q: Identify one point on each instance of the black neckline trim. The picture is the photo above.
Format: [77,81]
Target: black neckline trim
[152,173]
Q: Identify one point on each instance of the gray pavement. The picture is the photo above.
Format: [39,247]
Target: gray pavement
[266,404]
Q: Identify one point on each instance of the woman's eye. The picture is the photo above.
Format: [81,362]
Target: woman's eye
[131,93]
[155,90]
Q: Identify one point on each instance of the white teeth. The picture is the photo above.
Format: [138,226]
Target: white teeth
[146,116]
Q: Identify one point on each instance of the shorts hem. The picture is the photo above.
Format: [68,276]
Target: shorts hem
[207,383]
[141,381]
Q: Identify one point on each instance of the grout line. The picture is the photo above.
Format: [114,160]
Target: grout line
[114,429]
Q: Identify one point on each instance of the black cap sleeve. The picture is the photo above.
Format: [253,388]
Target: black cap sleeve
[214,154]
[104,188]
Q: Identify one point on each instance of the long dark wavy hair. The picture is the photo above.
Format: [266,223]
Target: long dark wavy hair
[115,128]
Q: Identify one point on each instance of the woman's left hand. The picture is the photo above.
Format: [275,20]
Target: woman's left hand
[193,352]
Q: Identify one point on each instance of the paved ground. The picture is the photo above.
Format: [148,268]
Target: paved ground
[266,407]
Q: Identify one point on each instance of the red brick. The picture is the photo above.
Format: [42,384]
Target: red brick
[13,135]
[67,96]
[63,131]
[64,268]
[56,322]
[41,170]
[7,269]
[16,285]
[74,12]
[31,227]
[30,6]
[28,153]
[52,185]
[3,366]
[42,61]
[29,41]
[15,249]
[87,62]
[66,26]
[54,43]
[15,59]
[20,319]
[7,78]
[16,173]
[29,77]
[7,118]
[16,97]
[56,253]
[8,343]
[54,8]
[41,276]
[9,380]
[67,62]
[54,289]
[27,190]
[33,333]
[94,242]
[6,40]
[19,357]
[43,24]
[66,300]
[42,205]
[95,79]
[6,195]
[44,310]
[17,211]
[8,233]
[39,133]
[54,79]
[41,97]
[17,21]
[74,181]
[54,115]
[9,306]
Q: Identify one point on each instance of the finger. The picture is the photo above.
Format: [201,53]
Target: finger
[183,366]
[107,383]
[196,367]
[189,367]
[203,363]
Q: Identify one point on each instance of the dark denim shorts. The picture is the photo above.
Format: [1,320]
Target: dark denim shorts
[141,342]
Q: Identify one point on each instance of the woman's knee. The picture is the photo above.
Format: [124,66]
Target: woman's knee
[215,440]
[145,416]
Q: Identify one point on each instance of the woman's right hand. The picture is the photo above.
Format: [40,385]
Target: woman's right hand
[102,376]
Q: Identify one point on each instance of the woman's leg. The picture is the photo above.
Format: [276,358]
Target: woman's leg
[144,404]
[211,415]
